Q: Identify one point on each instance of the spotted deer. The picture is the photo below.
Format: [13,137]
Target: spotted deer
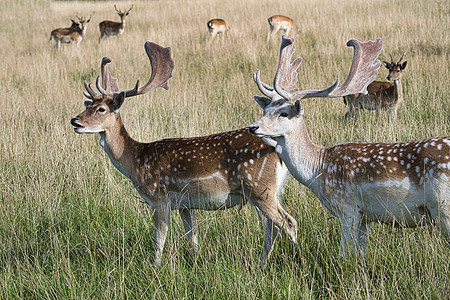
[381,95]
[73,34]
[278,23]
[216,27]
[402,183]
[108,28]
[212,172]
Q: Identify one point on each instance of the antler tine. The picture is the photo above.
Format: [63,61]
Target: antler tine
[286,77]
[362,71]
[109,83]
[392,60]
[400,60]
[130,8]
[161,65]
[99,87]
[119,11]
[90,92]
[264,88]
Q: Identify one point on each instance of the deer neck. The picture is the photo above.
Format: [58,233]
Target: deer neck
[119,146]
[83,31]
[302,157]
[398,91]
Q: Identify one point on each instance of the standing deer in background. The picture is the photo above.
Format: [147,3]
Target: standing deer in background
[73,34]
[215,27]
[211,172]
[381,95]
[278,23]
[108,28]
[406,183]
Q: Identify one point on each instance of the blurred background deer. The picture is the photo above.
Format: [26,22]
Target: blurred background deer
[73,34]
[216,27]
[381,95]
[108,28]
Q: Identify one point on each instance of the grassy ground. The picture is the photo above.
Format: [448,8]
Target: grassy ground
[71,226]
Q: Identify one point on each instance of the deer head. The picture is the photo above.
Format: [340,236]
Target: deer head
[281,106]
[395,69]
[123,14]
[103,109]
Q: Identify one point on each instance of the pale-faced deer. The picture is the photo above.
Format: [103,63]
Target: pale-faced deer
[381,95]
[278,23]
[216,27]
[403,183]
[108,28]
[73,34]
[211,172]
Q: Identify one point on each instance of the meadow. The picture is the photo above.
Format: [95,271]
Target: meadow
[72,226]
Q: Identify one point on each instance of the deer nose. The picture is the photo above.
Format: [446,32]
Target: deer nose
[252,129]
[73,121]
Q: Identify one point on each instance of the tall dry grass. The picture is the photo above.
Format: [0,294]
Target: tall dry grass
[71,226]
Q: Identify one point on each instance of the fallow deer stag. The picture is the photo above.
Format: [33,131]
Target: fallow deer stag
[108,28]
[73,34]
[278,23]
[403,183]
[381,95]
[211,172]
[216,27]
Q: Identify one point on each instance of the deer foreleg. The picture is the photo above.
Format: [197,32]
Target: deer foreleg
[377,114]
[161,219]
[350,223]
[394,114]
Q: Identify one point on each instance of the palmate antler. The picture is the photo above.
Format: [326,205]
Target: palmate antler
[161,64]
[362,72]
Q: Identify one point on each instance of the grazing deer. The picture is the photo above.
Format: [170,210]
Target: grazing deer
[211,172]
[216,26]
[73,34]
[278,23]
[108,28]
[403,183]
[381,95]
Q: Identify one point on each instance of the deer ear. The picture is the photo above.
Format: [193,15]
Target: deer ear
[386,64]
[87,103]
[403,66]
[118,101]
[298,109]
[262,101]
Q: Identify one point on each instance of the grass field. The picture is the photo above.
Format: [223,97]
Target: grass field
[71,226]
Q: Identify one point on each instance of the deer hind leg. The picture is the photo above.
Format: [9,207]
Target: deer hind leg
[161,219]
[190,226]
[363,237]
[441,213]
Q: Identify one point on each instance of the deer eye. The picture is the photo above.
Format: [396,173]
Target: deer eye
[284,115]
[101,110]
